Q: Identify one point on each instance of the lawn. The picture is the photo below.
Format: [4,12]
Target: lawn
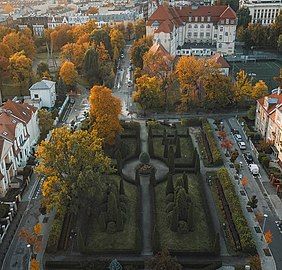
[264,70]
[98,241]
[199,240]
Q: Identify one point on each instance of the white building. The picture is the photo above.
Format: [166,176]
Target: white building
[190,27]
[269,121]
[19,132]
[44,91]
[263,11]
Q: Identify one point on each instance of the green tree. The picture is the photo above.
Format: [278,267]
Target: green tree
[138,49]
[43,70]
[244,17]
[139,28]
[102,36]
[112,208]
[182,204]
[253,202]
[169,185]
[91,66]
[171,159]
[45,122]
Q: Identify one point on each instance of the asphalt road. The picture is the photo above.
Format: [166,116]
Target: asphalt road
[254,187]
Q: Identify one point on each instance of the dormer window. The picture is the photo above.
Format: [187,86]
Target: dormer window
[227,21]
[209,18]
[24,113]
[155,24]
[196,19]
[190,19]
[14,121]
[202,19]
[5,133]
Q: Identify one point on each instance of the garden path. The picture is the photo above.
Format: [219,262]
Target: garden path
[146,198]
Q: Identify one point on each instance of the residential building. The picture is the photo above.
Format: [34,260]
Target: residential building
[224,67]
[263,11]
[189,27]
[269,121]
[19,132]
[44,92]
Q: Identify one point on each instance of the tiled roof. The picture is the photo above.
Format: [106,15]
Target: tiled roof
[271,107]
[177,16]
[42,85]
[22,111]
[220,60]
[8,126]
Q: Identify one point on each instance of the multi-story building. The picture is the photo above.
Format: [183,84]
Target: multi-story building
[19,132]
[269,121]
[263,11]
[190,27]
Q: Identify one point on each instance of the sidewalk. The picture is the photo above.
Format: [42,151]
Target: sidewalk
[267,262]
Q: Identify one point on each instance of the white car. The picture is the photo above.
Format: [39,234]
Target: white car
[242,145]
[254,169]
[238,137]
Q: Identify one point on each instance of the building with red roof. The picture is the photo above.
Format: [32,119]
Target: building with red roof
[188,30]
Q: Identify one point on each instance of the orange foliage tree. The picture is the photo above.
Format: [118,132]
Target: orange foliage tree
[68,73]
[34,265]
[20,67]
[104,113]
[268,237]
[244,181]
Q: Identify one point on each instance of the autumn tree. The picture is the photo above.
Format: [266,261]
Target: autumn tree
[117,42]
[60,36]
[34,264]
[148,93]
[138,49]
[43,70]
[268,237]
[74,53]
[217,91]
[45,122]
[260,89]
[4,73]
[244,17]
[139,29]
[73,164]
[227,144]
[244,181]
[93,10]
[163,261]
[104,113]
[191,73]
[68,73]
[242,87]
[99,36]
[8,8]
[5,50]
[20,67]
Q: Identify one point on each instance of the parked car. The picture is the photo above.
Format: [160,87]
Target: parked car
[234,131]
[242,145]
[129,83]
[238,137]
[249,158]
[254,169]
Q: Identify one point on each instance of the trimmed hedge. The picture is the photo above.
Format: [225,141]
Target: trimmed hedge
[246,239]
[216,156]
[55,234]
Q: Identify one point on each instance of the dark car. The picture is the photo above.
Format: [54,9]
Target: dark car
[249,158]
[234,131]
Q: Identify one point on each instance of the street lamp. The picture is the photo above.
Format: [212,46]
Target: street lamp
[263,226]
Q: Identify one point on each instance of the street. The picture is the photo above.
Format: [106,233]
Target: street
[255,187]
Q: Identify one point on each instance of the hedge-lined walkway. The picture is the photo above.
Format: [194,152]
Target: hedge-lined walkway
[145,199]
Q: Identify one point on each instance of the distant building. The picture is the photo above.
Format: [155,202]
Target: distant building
[183,30]
[263,11]
[269,121]
[44,93]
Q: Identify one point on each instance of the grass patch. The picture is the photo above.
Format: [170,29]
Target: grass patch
[199,240]
[98,241]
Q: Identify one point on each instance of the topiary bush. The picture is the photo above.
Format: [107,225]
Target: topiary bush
[169,198]
[169,207]
[144,158]
[111,227]
[183,227]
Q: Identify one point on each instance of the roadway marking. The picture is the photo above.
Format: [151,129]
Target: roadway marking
[279,222]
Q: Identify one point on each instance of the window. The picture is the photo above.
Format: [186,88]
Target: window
[196,26]
[189,34]
[221,29]
[202,19]
[189,26]
[196,19]
[35,95]
[190,19]
[201,34]
[219,45]
[220,37]
[216,27]
[226,34]
[202,26]
[207,34]
[208,26]
[227,21]
[209,18]
[215,35]
[195,34]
